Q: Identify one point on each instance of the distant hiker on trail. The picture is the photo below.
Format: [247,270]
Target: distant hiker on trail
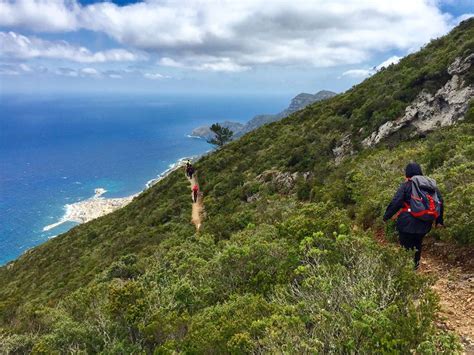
[189,170]
[195,193]
[418,203]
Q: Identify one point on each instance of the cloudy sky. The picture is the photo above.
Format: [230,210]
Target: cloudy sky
[215,46]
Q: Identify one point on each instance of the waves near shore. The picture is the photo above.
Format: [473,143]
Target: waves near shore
[98,206]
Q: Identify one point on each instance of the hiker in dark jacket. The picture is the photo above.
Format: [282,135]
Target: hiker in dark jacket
[189,170]
[411,229]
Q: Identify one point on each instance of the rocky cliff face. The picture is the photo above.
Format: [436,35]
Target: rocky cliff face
[302,100]
[299,102]
[428,112]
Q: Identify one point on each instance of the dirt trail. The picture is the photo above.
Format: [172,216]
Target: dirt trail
[197,207]
[453,270]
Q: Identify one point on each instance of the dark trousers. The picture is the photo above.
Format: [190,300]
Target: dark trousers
[412,241]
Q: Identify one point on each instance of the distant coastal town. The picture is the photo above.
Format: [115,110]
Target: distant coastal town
[98,206]
[92,208]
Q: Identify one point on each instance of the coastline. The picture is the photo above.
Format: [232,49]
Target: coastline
[98,206]
[194,137]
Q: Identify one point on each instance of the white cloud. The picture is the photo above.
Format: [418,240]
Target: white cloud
[153,76]
[9,69]
[67,72]
[358,73]
[222,64]
[168,62]
[234,35]
[90,72]
[15,45]
[87,72]
[206,63]
[363,73]
[113,74]
[40,15]
[392,60]
[461,18]
[25,68]
[17,69]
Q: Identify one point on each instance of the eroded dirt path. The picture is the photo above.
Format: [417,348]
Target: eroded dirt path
[453,269]
[196,216]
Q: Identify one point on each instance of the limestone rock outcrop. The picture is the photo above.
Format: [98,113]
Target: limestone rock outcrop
[343,149]
[428,112]
[284,182]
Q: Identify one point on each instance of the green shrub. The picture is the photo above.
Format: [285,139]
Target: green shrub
[346,300]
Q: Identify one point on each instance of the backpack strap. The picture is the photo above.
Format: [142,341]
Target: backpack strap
[405,208]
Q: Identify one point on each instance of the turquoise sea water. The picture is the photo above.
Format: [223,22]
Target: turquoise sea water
[56,150]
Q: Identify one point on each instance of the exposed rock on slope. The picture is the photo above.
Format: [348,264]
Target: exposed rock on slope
[446,107]
[284,182]
[343,149]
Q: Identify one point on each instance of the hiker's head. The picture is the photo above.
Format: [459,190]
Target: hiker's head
[413,169]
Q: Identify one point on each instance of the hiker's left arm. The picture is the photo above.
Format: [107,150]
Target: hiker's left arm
[395,204]
[440,219]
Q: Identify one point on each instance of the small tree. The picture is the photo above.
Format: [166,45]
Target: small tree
[222,135]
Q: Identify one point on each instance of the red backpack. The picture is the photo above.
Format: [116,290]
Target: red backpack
[424,201]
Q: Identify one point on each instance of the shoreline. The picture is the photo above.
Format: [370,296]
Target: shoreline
[98,206]
[194,137]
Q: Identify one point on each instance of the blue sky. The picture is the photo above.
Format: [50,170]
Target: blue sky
[210,46]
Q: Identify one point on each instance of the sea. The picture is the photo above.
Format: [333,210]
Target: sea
[57,149]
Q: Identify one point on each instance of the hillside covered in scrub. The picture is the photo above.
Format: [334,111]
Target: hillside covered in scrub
[286,259]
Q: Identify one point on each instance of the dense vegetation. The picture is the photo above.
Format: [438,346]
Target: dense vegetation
[277,266]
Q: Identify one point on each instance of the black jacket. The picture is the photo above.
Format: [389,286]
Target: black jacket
[406,223]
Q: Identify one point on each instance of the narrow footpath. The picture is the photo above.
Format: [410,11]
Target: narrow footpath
[198,206]
[453,269]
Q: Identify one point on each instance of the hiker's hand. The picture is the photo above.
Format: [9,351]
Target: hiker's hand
[439,225]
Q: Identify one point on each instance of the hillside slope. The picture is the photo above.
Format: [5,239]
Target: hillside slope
[285,258]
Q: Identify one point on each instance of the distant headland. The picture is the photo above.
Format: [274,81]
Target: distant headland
[299,102]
